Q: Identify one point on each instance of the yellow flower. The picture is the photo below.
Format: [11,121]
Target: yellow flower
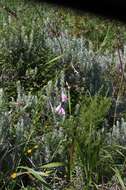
[14,175]
[29,151]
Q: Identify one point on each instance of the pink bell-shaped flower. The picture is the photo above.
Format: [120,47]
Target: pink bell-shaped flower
[63,97]
[60,110]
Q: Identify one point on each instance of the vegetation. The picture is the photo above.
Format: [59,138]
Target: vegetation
[62,99]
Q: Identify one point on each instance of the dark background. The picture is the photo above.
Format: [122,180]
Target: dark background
[113,9]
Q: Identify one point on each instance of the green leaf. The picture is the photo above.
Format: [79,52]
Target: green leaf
[53,165]
[120,180]
[37,174]
[55,59]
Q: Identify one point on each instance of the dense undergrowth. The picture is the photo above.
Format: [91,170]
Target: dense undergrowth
[62,99]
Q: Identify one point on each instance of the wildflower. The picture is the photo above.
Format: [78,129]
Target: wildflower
[14,175]
[29,151]
[63,97]
[60,110]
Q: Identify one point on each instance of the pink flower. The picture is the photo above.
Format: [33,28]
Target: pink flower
[60,110]
[63,97]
